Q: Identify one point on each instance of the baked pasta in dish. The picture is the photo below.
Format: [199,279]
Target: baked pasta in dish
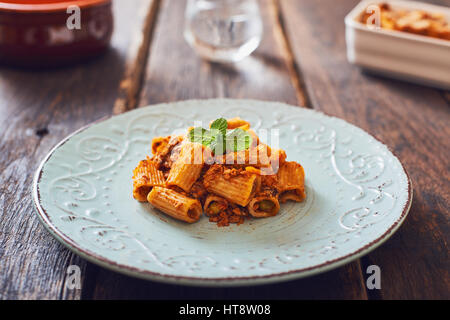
[225,172]
[411,21]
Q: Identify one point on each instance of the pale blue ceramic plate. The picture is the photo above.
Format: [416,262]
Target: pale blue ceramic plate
[358,194]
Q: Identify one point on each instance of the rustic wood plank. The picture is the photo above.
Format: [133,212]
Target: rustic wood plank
[336,284]
[411,119]
[131,84]
[174,72]
[38,109]
[286,47]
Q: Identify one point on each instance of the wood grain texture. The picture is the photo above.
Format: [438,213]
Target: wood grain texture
[412,120]
[37,110]
[131,84]
[174,72]
[336,284]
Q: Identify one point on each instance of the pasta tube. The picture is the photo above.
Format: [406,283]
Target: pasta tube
[264,204]
[214,205]
[145,177]
[163,149]
[159,144]
[238,123]
[187,168]
[257,156]
[255,138]
[291,182]
[238,188]
[175,204]
[276,159]
[260,156]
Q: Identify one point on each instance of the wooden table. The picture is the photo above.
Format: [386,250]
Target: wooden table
[301,61]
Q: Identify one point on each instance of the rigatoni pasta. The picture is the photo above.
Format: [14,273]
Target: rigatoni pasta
[264,204]
[175,204]
[291,181]
[187,168]
[145,177]
[235,187]
[237,123]
[159,144]
[227,172]
[214,205]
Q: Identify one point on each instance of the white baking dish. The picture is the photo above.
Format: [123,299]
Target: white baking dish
[399,54]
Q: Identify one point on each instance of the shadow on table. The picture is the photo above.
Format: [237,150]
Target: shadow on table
[111,56]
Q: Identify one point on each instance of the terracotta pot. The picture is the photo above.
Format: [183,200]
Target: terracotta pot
[42,33]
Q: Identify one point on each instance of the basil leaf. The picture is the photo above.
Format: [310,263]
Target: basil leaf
[238,140]
[220,125]
[200,135]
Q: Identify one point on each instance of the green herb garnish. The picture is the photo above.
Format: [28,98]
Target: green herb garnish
[201,136]
[219,139]
[238,139]
[219,126]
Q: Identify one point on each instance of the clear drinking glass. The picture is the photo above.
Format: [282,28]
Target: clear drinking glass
[223,30]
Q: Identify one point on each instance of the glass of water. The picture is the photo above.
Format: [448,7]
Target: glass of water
[223,30]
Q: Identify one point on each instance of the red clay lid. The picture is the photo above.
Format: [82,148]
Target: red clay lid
[45,5]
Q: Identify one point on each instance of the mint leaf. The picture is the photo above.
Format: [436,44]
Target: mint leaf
[237,140]
[200,135]
[220,125]
[218,144]
[219,139]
